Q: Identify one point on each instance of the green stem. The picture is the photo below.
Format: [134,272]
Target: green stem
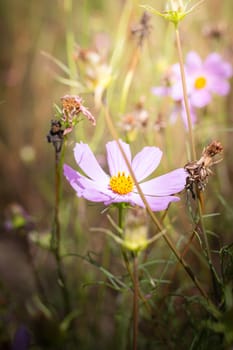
[121,226]
[70,41]
[135,301]
[56,234]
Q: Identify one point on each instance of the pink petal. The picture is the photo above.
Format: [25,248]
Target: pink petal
[117,198]
[161,90]
[220,87]
[200,98]
[164,185]
[88,163]
[116,162]
[176,71]
[177,91]
[146,161]
[95,196]
[217,66]
[155,203]
[72,176]
[86,188]
[227,71]
[88,114]
[193,61]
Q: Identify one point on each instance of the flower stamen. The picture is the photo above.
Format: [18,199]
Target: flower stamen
[121,183]
[200,83]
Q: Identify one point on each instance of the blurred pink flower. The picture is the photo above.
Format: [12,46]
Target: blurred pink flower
[204,79]
[118,187]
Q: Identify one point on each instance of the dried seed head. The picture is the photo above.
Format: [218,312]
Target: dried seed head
[199,171]
[71,105]
[212,149]
[136,119]
[216,31]
[56,135]
[143,28]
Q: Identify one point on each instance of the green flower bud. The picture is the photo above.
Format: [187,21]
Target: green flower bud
[175,10]
[136,239]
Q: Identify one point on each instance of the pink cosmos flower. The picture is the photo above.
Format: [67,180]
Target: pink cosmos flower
[204,79]
[118,187]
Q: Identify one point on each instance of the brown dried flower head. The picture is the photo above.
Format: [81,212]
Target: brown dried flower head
[71,107]
[199,171]
[143,28]
[214,31]
[137,119]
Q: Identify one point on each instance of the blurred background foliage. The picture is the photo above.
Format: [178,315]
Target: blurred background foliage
[30,31]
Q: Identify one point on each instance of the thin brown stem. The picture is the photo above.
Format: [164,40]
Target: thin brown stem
[152,215]
[56,234]
[57,202]
[192,146]
[185,94]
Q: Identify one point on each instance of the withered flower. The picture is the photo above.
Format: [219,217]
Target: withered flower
[137,119]
[55,135]
[143,28]
[214,31]
[160,124]
[97,73]
[71,107]
[199,171]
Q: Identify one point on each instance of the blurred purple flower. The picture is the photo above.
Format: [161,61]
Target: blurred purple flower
[21,339]
[203,79]
[118,187]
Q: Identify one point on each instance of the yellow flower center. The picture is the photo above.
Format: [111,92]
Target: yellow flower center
[200,83]
[121,183]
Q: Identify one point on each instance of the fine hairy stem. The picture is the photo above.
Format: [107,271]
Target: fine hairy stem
[121,225]
[56,235]
[134,277]
[135,301]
